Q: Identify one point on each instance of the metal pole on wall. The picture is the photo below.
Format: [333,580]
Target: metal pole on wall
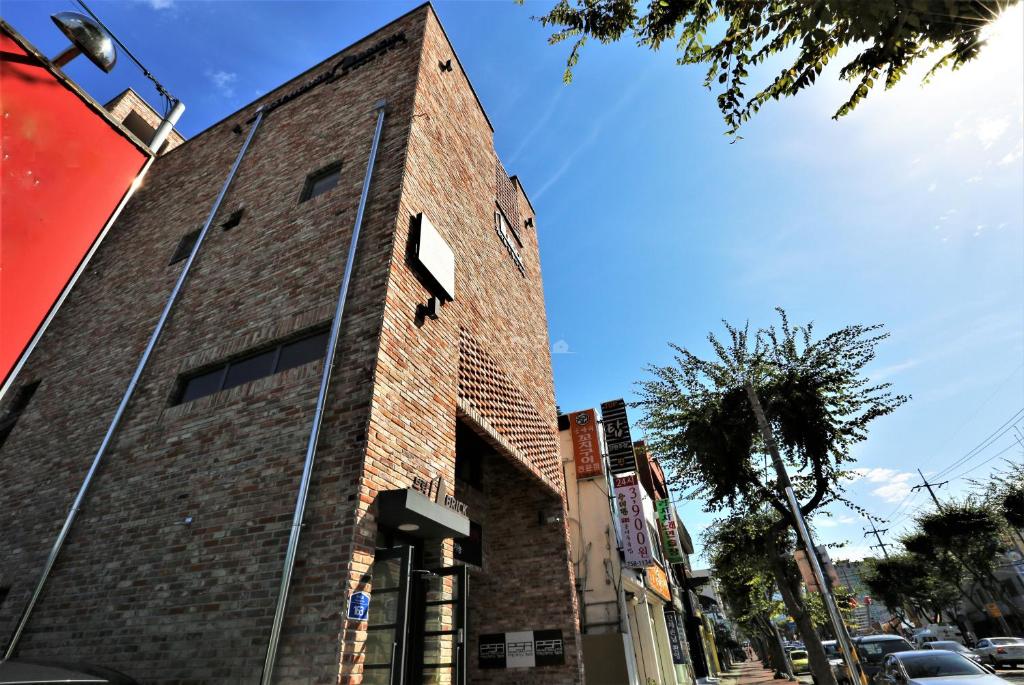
[838,626]
[128,393]
[318,413]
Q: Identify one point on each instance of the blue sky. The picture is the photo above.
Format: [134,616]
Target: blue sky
[653,228]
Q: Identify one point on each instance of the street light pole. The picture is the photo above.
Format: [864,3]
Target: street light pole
[786,486]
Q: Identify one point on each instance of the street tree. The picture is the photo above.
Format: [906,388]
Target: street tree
[974,534]
[735,547]
[877,39]
[818,403]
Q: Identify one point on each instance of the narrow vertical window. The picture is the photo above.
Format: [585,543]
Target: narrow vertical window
[319,182]
[17,408]
[185,246]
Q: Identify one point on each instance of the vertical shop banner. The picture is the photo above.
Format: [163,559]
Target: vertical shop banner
[636,543]
[676,639]
[586,448]
[670,542]
[621,458]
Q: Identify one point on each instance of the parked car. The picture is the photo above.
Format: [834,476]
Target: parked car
[872,650]
[937,632]
[933,667]
[798,659]
[22,672]
[1001,651]
[952,646]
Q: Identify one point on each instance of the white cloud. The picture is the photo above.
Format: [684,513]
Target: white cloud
[975,179]
[931,188]
[1014,155]
[223,81]
[988,131]
[896,483]
[160,4]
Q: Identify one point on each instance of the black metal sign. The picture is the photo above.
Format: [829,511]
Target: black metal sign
[617,437]
[522,649]
[675,636]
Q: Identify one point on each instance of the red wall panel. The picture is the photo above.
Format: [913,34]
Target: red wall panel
[64,169]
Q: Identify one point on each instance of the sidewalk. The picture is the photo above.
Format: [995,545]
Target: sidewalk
[749,673]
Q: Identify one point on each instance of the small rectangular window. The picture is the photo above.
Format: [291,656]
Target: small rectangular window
[234,219]
[254,366]
[185,246]
[16,409]
[319,182]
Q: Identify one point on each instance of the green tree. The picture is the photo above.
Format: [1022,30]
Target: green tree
[735,546]
[731,37]
[818,403]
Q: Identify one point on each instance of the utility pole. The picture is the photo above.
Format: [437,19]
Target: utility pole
[878,536]
[857,675]
[929,487]
[989,600]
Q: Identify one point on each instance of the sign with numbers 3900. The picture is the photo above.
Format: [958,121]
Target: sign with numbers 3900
[636,542]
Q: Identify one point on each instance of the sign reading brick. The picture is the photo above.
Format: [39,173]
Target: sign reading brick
[586,447]
[621,458]
[636,544]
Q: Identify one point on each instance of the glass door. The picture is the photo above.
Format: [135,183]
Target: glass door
[386,645]
[439,642]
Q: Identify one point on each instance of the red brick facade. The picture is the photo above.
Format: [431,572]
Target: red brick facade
[138,589]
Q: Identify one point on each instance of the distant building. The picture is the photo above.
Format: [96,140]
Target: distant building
[868,615]
[634,616]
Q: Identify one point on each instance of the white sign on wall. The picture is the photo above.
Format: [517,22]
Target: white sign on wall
[435,256]
[636,541]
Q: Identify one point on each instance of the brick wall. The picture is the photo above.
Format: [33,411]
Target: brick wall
[128,102]
[133,589]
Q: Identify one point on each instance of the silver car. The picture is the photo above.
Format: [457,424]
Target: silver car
[1001,651]
[934,667]
[953,646]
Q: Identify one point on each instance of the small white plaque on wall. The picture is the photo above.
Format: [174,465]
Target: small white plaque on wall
[435,256]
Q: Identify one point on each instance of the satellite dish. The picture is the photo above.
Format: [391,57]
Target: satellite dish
[87,38]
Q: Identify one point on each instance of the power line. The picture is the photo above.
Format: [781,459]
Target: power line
[978,466]
[992,437]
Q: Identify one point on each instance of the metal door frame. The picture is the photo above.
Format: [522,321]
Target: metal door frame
[399,648]
[459,630]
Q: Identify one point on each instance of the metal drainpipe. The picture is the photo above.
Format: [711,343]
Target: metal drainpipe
[129,391]
[318,414]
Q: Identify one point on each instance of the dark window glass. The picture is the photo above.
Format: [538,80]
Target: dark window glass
[873,652]
[4,591]
[234,219]
[254,366]
[248,370]
[205,384]
[938,664]
[139,126]
[302,351]
[321,181]
[15,410]
[185,246]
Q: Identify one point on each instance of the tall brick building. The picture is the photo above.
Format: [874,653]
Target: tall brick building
[171,571]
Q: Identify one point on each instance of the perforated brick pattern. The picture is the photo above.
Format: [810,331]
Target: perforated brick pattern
[492,395]
[508,199]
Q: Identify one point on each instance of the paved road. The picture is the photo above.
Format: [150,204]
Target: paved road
[1013,675]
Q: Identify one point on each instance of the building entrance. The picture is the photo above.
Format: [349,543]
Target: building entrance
[416,634]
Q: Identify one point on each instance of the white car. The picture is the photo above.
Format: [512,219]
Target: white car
[934,667]
[1001,651]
